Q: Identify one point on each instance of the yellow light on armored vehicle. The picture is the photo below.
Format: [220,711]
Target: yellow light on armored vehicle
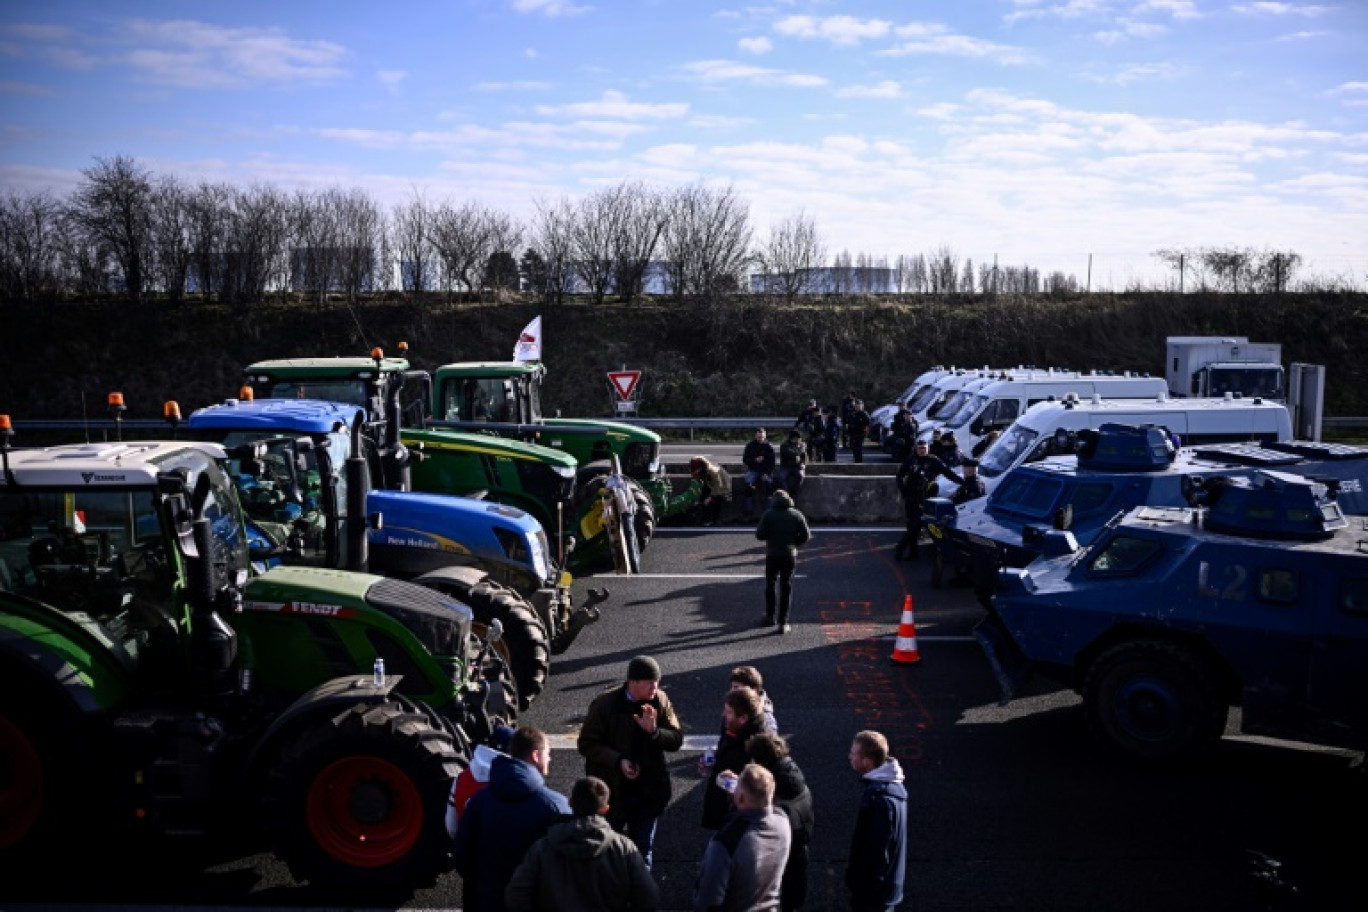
[246,394]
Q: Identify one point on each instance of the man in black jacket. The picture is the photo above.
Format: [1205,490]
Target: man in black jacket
[742,716]
[794,798]
[758,458]
[858,427]
[783,529]
[916,480]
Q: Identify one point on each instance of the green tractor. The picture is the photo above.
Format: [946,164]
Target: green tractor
[567,498]
[150,685]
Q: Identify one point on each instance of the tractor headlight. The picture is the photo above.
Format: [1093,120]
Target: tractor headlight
[564,471]
[540,554]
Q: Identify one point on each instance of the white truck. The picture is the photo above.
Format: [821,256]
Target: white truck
[1205,366]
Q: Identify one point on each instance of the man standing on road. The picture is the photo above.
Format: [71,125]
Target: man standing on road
[758,458]
[742,716]
[878,852]
[744,861]
[502,820]
[858,428]
[625,736]
[916,481]
[783,529]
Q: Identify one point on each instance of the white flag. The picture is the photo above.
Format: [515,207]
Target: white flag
[529,342]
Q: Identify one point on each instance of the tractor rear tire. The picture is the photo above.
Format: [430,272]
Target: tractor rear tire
[644,520]
[1153,701]
[525,647]
[355,803]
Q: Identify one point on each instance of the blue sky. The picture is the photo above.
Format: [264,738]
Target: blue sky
[1037,131]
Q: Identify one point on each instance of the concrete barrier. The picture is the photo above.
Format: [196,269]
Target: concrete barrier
[831,494]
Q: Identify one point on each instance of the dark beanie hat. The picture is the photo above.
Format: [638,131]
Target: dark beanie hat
[643,668]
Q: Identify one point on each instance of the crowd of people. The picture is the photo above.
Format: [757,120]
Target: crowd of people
[521,846]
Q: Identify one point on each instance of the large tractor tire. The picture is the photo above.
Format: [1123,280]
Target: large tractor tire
[525,647]
[1153,701]
[355,803]
[587,487]
[44,784]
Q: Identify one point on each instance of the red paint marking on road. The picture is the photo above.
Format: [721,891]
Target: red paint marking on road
[881,695]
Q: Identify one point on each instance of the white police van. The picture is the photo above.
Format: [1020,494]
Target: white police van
[1042,429]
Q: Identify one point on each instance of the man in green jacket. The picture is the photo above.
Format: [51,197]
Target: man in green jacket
[783,529]
[583,865]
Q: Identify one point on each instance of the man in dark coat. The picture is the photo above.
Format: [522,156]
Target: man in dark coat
[792,463]
[916,477]
[794,798]
[742,716]
[583,865]
[783,529]
[758,457]
[877,868]
[858,428]
[624,739]
[504,819]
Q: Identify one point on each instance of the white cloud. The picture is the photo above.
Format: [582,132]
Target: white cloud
[201,55]
[842,31]
[960,46]
[760,45]
[1129,28]
[1143,72]
[550,8]
[716,71]
[1178,9]
[617,106]
[1073,9]
[1280,9]
[888,88]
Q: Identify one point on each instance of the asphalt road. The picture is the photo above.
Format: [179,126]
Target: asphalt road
[1011,807]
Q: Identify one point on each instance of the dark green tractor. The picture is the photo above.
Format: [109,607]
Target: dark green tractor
[149,684]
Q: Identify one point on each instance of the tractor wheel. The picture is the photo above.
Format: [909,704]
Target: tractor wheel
[1153,700]
[645,517]
[587,487]
[525,647]
[355,803]
[44,785]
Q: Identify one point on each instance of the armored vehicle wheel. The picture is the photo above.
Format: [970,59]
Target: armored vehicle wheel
[525,647]
[355,803]
[1152,700]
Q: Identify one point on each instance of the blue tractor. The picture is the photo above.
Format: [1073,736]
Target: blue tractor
[1113,469]
[1257,599]
[310,493]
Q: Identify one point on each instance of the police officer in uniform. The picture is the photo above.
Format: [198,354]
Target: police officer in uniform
[916,480]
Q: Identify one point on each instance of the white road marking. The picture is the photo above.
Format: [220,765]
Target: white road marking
[748,530]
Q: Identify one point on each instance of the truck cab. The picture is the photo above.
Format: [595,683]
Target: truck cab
[1174,614]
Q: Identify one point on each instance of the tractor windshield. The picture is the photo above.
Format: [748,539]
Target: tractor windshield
[352,392]
[478,399]
[98,554]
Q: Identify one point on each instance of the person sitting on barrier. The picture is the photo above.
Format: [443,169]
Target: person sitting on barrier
[758,458]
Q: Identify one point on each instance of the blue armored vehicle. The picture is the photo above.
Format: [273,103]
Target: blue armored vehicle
[1113,469]
[311,499]
[1175,614]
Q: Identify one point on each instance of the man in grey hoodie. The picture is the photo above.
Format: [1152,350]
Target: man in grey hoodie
[878,851]
[583,865]
[744,861]
[783,529]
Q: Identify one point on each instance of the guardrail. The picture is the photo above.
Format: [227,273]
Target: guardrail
[682,424]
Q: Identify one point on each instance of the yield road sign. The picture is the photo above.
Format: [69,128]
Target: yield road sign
[624,382]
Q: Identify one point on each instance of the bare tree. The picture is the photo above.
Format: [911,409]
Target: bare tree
[943,271]
[172,237]
[360,235]
[255,256]
[113,206]
[464,236]
[502,236]
[792,256]
[413,243]
[967,277]
[210,211]
[553,241]
[593,241]
[842,274]
[707,239]
[30,247]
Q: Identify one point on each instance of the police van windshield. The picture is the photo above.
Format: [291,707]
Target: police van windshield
[923,398]
[1002,455]
[967,410]
[1247,381]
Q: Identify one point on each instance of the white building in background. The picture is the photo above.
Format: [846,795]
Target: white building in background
[832,280]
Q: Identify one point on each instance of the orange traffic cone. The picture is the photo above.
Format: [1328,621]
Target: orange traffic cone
[905,649]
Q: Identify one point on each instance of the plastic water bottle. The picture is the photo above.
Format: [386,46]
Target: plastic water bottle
[378,677]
